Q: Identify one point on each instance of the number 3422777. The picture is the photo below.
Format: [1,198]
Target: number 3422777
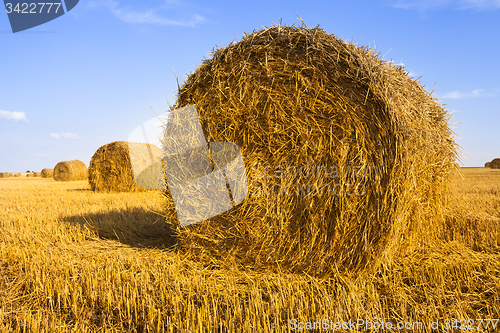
[33,8]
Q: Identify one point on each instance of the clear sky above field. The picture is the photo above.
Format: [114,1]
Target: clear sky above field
[91,77]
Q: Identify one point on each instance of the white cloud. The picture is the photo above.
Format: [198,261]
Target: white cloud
[64,135]
[425,5]
[473,93]
[13,115]
[480,4]
[149,15]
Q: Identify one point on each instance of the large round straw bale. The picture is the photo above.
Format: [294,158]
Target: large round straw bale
[347,157]
[47,173]
[487,164]
[495,163]
[70,170]
[110,168]
[4,175]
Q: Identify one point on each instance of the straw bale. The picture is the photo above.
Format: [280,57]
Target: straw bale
[487,165]
[17,175]
[70,170]
[47,173]
[29,174]
[37,174]
[495,163]
[4,175]
[347,157]
[110,169]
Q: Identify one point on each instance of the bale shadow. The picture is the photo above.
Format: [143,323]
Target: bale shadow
[134,226]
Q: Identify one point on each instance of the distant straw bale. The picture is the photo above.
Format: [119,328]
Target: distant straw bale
[47,173]
[29,174]
[11,174]
[487,165]
[348,158]
[17,175]
[110,169]
[37,174]
[4,175]
[495,163]
[70,170]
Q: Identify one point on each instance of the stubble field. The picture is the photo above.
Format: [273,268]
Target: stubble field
[72,260]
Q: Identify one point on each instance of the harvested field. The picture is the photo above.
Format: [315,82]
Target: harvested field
[73,260]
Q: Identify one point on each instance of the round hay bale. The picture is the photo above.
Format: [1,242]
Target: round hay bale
[110,168]
[495,163]
[29,174]
[17,175]
[4,175]
[487,165]
[37,174]
[347,158]
[70,170]
[47,173]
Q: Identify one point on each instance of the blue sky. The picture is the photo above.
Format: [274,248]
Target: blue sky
[94,74]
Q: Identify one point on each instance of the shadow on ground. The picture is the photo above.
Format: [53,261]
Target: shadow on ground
[134,226]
